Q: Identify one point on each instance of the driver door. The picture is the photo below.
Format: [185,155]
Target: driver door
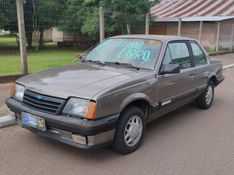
[174,90]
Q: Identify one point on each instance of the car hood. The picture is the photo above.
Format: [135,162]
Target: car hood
[79,80]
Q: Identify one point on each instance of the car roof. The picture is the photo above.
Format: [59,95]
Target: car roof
[163,38]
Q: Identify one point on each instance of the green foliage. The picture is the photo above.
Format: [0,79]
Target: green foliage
[91,23]
[8,15]
[81,16]
[76,16]
[48,13]
[38,14]
[126,14]
[73,17]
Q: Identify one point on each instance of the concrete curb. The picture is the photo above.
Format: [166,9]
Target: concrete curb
[7,121]
[228,66]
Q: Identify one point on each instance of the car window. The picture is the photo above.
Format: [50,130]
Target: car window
[198,55]
[167,57]
[177,53]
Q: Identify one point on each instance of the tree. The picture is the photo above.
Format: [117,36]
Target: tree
[129,15]
[73,17]
[8,17]
[39,15]
[47,14]
[121,16]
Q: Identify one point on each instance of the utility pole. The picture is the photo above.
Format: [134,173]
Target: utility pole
[179,26]
[217,38]
[147,24]
[200,31]
[101,24]
[22,38]
[232,35]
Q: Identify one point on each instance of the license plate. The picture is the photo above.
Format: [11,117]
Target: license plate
[33,121]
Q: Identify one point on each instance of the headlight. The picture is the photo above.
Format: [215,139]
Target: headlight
[17,92]
[81,108]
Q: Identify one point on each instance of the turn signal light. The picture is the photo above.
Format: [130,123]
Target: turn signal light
[91,114]
[12,90]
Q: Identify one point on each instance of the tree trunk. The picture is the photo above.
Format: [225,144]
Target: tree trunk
[129,29]
[17,40]
[74,41]
[29,39]
[41,41]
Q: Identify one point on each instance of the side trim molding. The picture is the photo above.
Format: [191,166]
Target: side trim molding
[157,106]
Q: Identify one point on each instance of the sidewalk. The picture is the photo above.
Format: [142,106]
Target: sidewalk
[225,59]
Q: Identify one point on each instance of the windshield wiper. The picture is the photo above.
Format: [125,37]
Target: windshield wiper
[124,64]
[96,62]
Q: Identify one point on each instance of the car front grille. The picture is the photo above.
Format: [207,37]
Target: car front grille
[43,103]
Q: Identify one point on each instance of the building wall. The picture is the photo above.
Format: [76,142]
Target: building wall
[225,34]
[209,32]
[191,30]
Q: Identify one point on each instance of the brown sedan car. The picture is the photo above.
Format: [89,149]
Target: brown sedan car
[119,86]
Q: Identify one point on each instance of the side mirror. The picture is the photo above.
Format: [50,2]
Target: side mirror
[82,58]
[170,69]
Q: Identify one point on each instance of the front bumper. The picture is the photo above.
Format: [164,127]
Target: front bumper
[96,133]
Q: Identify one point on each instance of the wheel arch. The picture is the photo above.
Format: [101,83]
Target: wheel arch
[139,100]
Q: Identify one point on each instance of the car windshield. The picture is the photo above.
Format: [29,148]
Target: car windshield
[141,53]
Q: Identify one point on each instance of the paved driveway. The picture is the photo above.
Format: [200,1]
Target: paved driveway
[188,141]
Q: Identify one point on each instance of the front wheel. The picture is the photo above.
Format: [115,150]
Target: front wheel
[206,99]
[130,130]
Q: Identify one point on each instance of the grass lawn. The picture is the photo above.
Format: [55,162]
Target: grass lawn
[11,42]
[37,61]
[6,41]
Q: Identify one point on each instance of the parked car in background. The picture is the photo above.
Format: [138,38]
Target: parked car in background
[119,87]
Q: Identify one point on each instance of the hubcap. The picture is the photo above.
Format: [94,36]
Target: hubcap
[133,130]
[209,95]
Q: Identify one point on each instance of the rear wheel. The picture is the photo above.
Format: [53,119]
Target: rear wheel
[206,99]
[130,130]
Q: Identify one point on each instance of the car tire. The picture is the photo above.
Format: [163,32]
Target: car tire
[206,99]
[129,131]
